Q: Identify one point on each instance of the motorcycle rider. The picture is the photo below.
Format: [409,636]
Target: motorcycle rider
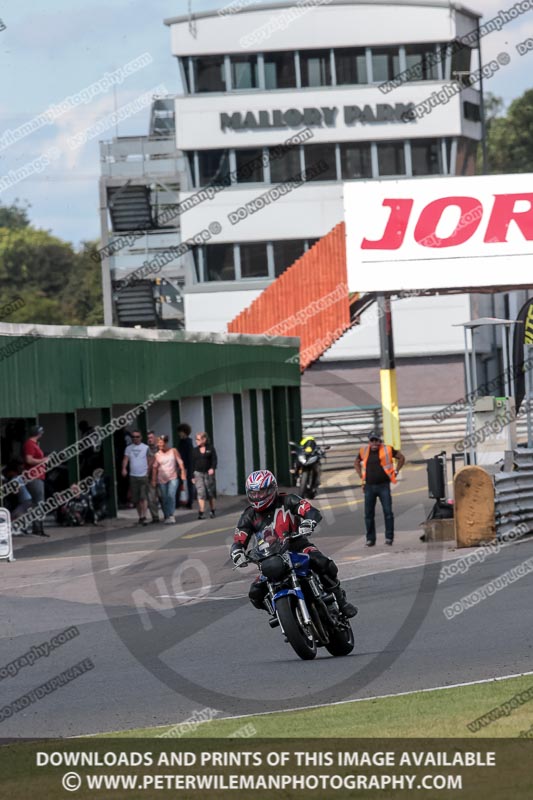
[288,515]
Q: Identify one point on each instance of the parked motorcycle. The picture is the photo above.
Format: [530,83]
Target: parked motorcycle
[86,507]
[307,468]
[297,600]
[99,494]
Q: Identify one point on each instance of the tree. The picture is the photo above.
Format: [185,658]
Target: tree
[32,258]
[82,296]
[493,107]
[14,216]
[509,139]
[56,284]
[38,309]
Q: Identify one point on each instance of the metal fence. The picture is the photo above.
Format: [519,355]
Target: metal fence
[514,495]
[346,429]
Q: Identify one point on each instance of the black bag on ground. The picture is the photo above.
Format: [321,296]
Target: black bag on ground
[441,510]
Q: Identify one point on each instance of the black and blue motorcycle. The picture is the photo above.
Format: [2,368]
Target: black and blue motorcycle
[306,466]
[298,602]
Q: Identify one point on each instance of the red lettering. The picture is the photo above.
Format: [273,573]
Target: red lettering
[394,233]
[471,213]
[503,214]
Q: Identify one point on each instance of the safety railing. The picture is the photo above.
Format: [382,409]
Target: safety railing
[513,500]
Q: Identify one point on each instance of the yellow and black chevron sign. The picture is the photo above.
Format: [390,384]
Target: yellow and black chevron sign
[528,326]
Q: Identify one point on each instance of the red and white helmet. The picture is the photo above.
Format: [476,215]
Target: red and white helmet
[261,489]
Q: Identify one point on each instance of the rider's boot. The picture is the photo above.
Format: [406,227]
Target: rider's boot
[347,608]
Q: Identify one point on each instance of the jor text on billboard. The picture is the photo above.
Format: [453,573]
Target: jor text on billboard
[440,233]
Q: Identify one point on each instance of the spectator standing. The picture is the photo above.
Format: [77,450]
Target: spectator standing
[136,458]
[185,448]
[34,460]
[204,464]
[153,496]
[375,467]
[167,461]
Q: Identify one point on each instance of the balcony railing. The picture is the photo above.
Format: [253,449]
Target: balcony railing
[140,157]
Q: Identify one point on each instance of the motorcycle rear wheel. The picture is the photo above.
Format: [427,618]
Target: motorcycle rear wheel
[341,641]
[302,644]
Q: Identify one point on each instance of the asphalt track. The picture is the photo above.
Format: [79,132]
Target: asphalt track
[165,620]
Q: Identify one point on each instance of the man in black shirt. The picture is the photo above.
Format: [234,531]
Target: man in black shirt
[204,463]
[375,467]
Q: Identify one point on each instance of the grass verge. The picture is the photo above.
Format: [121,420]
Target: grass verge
[434,714]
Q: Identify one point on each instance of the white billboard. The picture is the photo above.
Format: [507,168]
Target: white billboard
[439,233]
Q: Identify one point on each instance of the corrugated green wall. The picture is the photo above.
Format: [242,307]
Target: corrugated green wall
[63,374]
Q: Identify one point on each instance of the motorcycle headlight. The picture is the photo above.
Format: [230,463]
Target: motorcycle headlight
[274,567]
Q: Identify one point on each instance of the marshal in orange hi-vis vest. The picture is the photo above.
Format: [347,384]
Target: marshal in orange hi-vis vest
[385,459]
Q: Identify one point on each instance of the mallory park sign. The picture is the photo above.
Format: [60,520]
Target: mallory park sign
[325,116]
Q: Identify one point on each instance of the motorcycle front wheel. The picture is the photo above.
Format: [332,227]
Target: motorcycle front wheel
[341,641]
[302,483]
[288,612]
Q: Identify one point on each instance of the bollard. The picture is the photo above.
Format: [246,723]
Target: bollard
[474,507]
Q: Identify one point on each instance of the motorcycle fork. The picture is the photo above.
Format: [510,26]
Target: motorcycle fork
[301,601]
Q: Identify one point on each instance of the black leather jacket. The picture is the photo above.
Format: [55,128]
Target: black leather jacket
[284,515]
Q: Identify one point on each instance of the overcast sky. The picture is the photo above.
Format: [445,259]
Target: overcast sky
[54,48]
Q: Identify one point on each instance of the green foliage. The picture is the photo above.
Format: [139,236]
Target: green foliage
[37,309]
[82,295]
[509,139]
[57,284]
[14,216]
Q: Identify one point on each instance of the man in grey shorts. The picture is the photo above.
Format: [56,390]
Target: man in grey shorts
[136,457]
[204,464]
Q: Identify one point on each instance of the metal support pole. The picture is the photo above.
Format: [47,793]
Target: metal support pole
[469,419]
[505,353]
[107,287]
[473,359]
[389,392]
[484,159]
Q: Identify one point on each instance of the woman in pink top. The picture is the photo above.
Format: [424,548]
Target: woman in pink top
[167,460]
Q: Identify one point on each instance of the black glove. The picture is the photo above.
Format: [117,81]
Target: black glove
[239,558]
[307,527]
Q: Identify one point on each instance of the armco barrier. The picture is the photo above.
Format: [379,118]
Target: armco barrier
[346,429]
[514,495]
[6,540]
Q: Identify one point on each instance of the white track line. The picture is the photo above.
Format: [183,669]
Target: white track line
[344,580]
[380,696]
[329,705]
[65,578]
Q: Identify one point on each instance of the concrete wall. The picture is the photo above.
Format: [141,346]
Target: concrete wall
[212,310]
[247,424]
[192,412]
[160,421]
[261,426]
[327,25]
[224,439]
[436,381]
[421,326]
